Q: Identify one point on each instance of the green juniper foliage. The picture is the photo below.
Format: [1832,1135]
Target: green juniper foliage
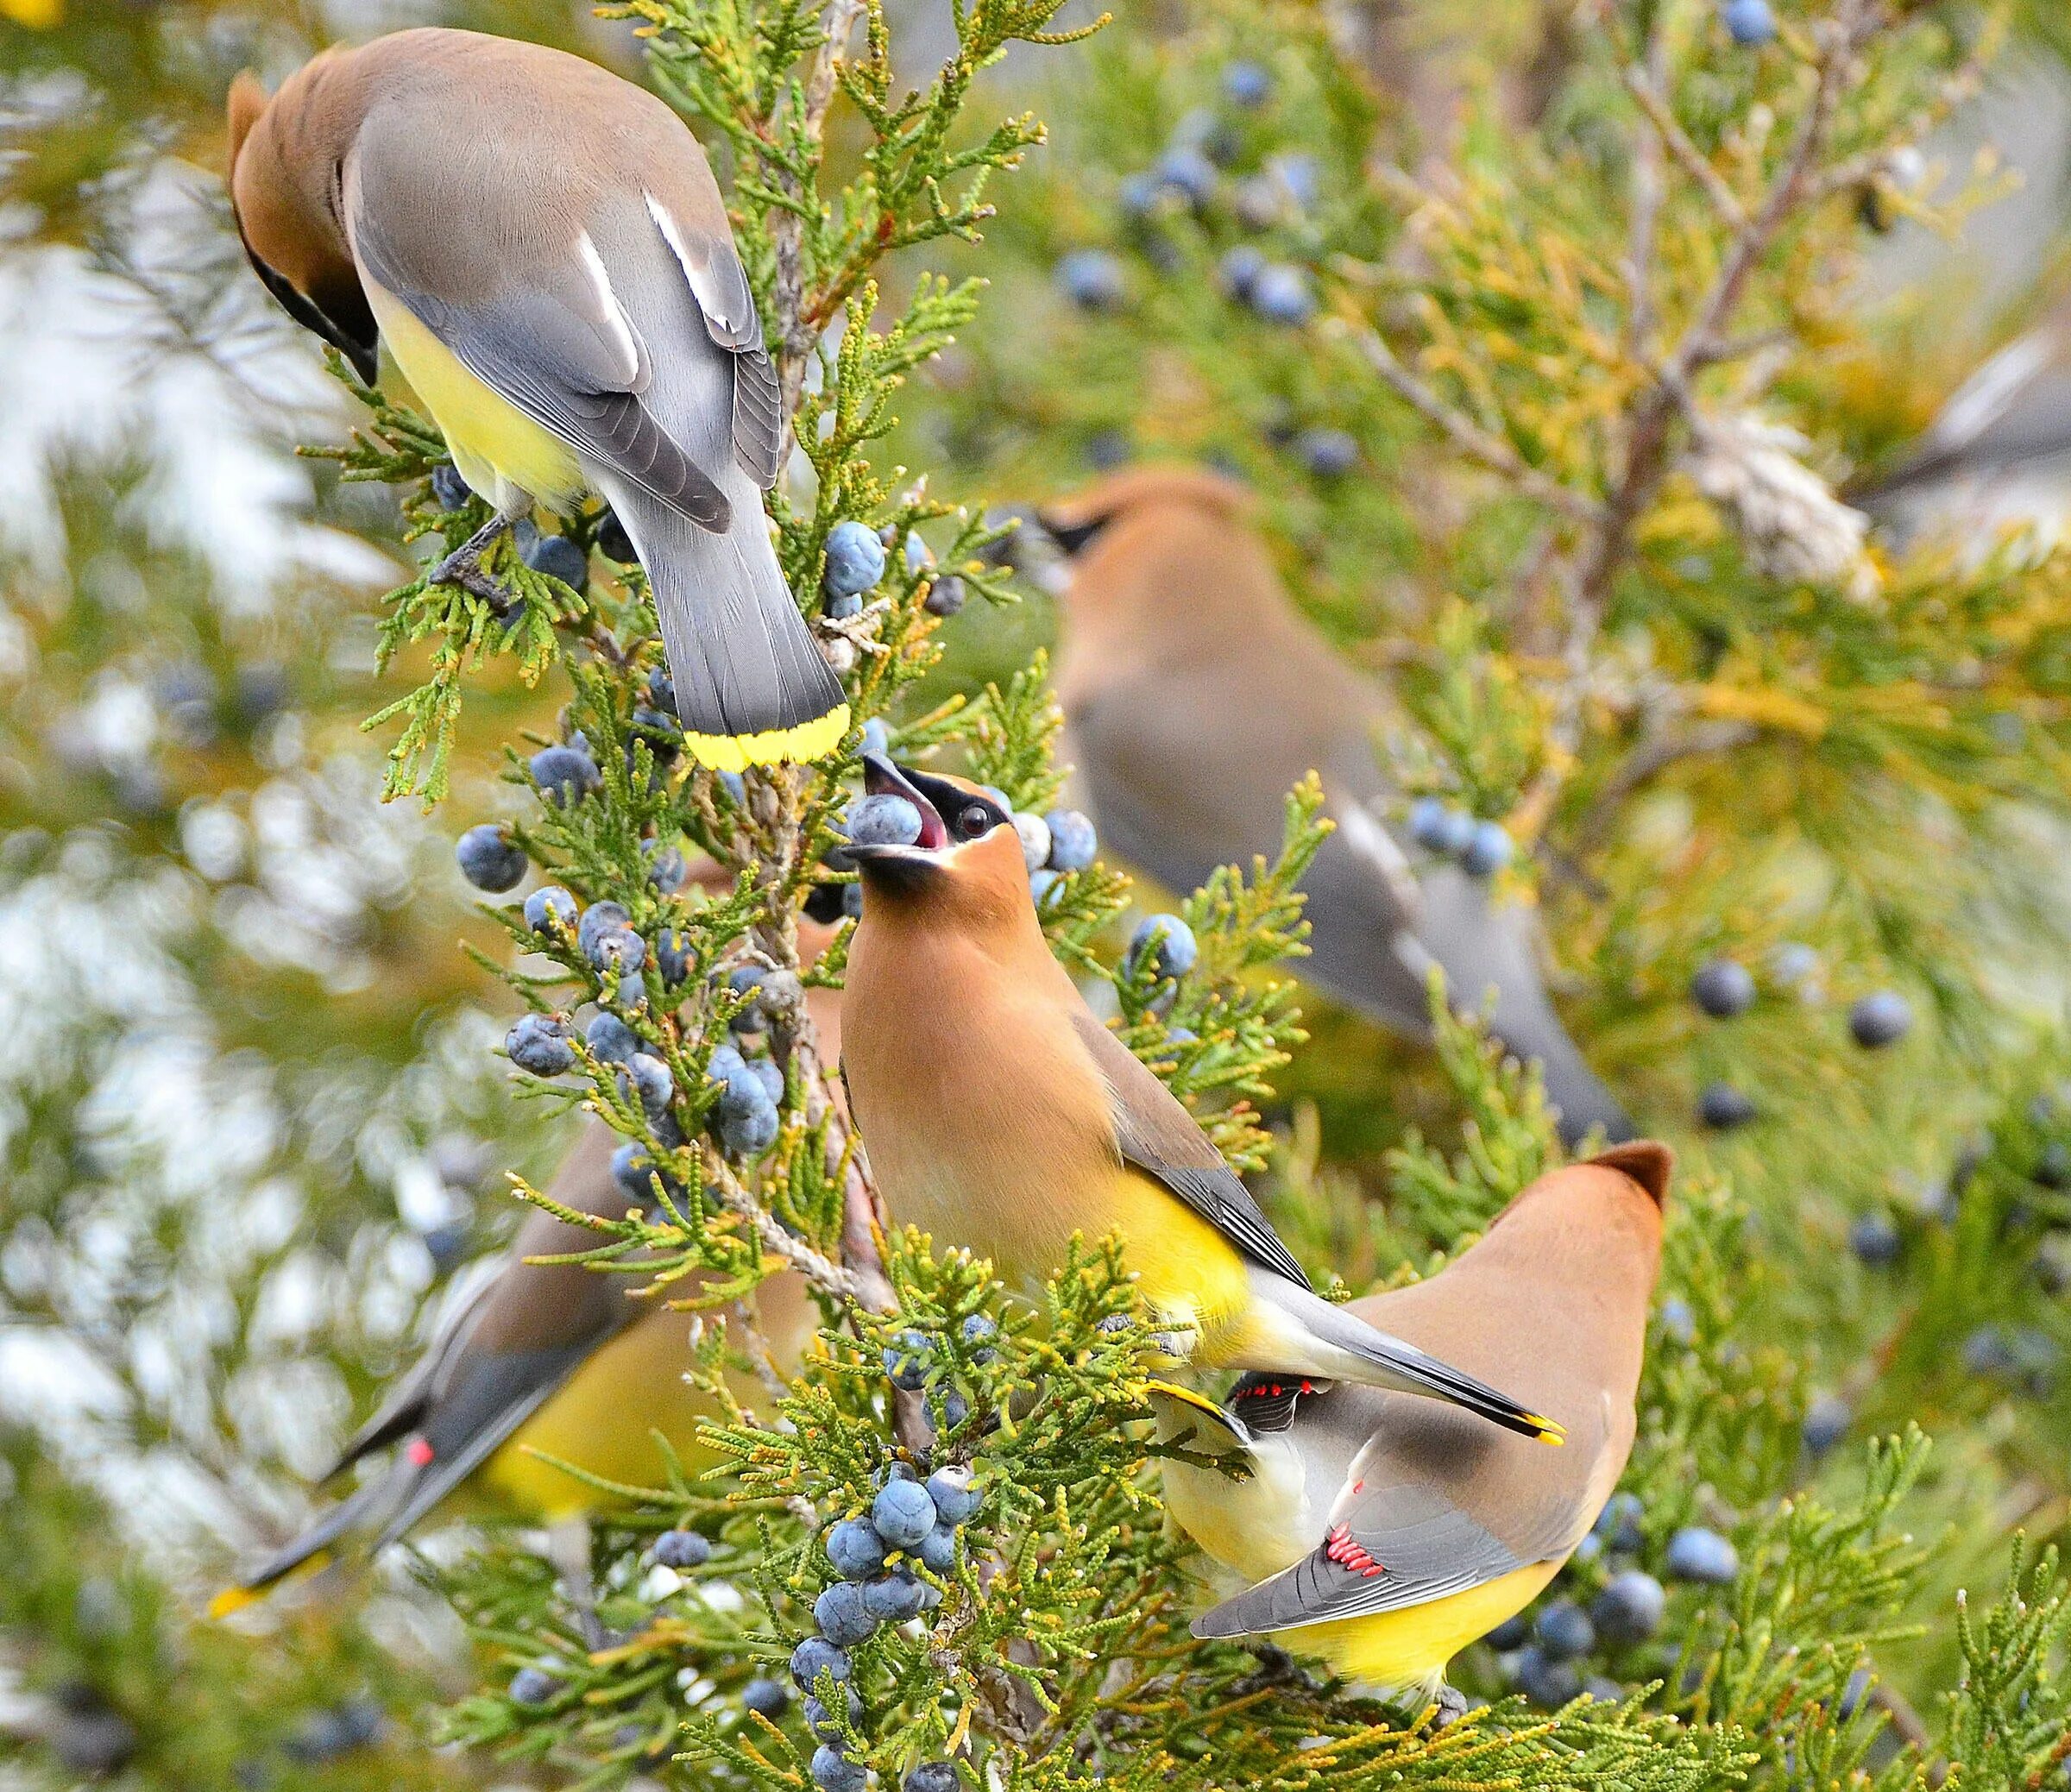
[1593,355]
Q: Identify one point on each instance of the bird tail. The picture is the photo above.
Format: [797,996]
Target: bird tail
[361,1510]
[752,687]
[1301,1332]
[1584,1104]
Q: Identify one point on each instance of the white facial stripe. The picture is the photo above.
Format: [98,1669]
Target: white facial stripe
[666,224]
[615,320]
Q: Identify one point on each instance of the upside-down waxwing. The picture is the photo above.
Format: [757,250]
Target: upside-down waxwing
[1195,698]
[1385,1534]
[539,1358]
[543,247]
[1000,1114]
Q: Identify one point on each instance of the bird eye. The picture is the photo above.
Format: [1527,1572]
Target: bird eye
[973,821]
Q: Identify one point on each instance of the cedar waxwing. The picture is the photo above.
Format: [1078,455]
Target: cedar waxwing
[543,247]
[1002,1115]
[1998,458]
[553,1358]
[1195,698]
[1392,1532]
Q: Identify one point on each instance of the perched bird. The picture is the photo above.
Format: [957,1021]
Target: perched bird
[543,247]
[553,1358]
[1001,1114]
[1386,1534]
[1195,698]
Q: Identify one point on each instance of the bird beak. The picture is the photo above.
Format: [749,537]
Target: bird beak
[883,778]
[1040,551]
[1070,539]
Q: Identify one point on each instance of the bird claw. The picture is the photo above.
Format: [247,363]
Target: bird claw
[1452,1705]
[1174,1348]
[463,567]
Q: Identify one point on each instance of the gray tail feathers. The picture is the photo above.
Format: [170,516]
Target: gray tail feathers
[743,660]
[1405,1367]
[360,1510]
[1584,1104]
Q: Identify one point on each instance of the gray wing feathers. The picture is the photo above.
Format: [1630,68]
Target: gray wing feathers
[1357,1573]
[758,417]
[1157,1134]
[473,1418]
[464,1421]
[1224,1201]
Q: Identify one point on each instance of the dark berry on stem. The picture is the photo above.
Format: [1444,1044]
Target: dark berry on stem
[560,557]
[903,1514]
[564,774]
[1880,1019]
[1722,1107]
[1697,1554]
[766,1697]
[612,542]
[1723,988]
[490,859]
[550,903]
[1630,1607]
[540,1043]
[682,1549]
[532,1687]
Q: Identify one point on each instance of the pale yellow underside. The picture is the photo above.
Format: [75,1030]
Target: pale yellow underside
[1412,1647]
[602,1421]
[499,450]
[507,458]
[1192,1276]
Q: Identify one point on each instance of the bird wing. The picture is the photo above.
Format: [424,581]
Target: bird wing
[1412,1523]
[399,1414]
[512,1342]
[1155,1134]
[553,309]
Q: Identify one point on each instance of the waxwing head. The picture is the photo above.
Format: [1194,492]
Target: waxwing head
[1091,522]
[287,180]
[967,862]
[1599,1218]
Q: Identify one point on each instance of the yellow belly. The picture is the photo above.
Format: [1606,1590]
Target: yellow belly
[1191,1276]
[603,1418]
[500,452]
[1412,1647]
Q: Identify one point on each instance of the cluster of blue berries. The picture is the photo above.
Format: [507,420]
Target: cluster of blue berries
[909,1522]
[912,1362]
[1725,989]
[1544,1655]
[1482,848]
[855,562]
[559,556]
[1192,177]
[744,1119]
[856,559]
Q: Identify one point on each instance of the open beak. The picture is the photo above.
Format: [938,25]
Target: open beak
[883,778]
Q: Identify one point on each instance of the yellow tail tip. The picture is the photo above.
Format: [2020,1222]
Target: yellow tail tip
[234,1599]
[735,752]
[1551,1431]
